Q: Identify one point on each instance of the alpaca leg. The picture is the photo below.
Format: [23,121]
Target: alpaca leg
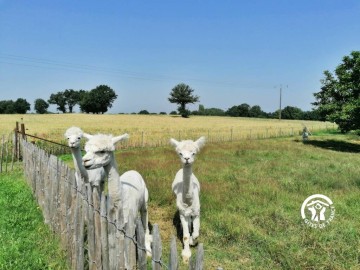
[186,253]
[196,229]
[148,237]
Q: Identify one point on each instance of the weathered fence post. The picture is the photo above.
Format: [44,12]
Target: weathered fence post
[90,228]
[173,259]
[156,249]
[130,248]
[104,233]
[140,239]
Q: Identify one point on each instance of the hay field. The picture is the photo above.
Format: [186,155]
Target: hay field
[154,130]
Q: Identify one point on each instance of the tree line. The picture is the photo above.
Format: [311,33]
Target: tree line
[337,101]
[97,100]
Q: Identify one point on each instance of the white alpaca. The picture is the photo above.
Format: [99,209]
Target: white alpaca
[95,177]
[187,188]
[129,188]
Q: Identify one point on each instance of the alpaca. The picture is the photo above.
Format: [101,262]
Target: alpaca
[187,188]
[94,177]
[129,188]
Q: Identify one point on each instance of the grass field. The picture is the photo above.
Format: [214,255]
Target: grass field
[155,130]
[251,190]
[25,241]
[251,194]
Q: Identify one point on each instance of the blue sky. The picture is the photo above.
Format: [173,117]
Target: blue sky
[229,52]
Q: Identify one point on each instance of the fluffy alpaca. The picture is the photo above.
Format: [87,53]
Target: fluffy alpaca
[130,187]
[187,188]
[95,177]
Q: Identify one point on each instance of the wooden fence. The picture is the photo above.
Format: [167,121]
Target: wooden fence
[91,231]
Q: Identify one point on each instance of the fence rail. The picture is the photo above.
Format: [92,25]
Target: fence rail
[91,230]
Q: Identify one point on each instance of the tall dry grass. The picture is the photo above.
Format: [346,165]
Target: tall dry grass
[154,130]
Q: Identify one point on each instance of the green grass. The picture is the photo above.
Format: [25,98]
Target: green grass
[251,195]
[25,242]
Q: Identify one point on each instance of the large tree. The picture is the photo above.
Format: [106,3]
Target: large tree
[21,105]
[40,106]
[72,98]
[290,112]
[339,98]
[58,99]
[182,94]
[98,100]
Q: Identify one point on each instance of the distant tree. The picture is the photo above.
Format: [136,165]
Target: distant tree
[244,110]
[290,112]
[98,100]
[181,94]
[339,98]
[58,99]
[214,112]
[144,112]
[173,113]
[313,115]
[240,110]
[163,113]
[40,106]
[7,107]
[72,98]
[233,111]
[255,111]
[21,106]
[201,109]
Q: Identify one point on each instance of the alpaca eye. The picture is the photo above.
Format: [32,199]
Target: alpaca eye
[79,138]
[180,154]
[193,154]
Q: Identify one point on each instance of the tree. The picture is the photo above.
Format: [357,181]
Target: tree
[339,97]
[40,106]
[144,112]
[97,100]
[240,110]
[255,111]
[181,94]
[72,98]
[59,100]
[21,106]
[7,107]
[290,112]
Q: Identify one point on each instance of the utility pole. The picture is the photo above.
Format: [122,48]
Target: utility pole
[280,102]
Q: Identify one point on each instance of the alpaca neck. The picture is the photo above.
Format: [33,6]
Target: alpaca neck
[113,177]
[79,167]
[187,185]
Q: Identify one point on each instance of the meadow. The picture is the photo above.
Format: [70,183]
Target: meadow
[155,130]
[251,190]
[251,195]
[26,242]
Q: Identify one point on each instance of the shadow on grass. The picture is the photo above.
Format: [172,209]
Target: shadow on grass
[177,225]
[335,145]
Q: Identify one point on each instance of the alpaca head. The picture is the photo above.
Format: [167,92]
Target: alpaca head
[99,149]
[188,149]
[73,136]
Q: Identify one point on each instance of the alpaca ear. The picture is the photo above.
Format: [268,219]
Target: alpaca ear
[87,136]
[120,138]
[200,142]
[174,142]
